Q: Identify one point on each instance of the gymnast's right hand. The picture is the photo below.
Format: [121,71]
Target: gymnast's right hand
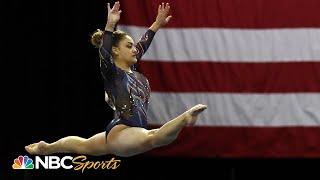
[113,15]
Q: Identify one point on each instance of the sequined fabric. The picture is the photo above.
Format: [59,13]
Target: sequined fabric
[127,93]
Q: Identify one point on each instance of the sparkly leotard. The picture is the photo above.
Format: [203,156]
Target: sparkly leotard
[127,93]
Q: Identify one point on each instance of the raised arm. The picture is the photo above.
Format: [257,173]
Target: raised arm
[106,64]
[162,19]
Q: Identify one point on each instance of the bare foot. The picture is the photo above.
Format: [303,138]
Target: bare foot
[40,148]
[191,115]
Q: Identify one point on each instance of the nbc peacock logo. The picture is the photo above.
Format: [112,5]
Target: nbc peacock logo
[22,162]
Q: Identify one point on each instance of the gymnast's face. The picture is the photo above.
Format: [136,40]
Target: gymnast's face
[126,51]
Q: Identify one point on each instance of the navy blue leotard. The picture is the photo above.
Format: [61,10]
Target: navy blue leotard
[128,93]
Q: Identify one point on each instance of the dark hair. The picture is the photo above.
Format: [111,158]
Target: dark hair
[96,37]
[117,36]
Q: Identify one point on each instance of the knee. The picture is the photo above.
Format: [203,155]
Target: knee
[85,146]
[89,148]
[150,141]
[154,140]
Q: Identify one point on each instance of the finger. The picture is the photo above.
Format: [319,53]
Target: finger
[162,5]
[159,8]
[168,18]
[119,11]
[116,6]
[108,5]
[167,6]
[167,9]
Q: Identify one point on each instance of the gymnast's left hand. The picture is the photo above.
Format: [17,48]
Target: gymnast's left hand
[163,16]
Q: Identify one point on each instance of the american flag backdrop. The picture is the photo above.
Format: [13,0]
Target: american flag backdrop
[255,63]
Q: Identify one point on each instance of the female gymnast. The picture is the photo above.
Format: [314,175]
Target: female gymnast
[127,93]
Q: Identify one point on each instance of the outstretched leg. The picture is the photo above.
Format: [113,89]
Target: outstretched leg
[122,140]
[170,130]
[95,145]
[133,140]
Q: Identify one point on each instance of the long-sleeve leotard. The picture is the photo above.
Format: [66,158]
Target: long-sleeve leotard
[128,93]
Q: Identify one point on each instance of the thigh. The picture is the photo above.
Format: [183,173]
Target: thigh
[98,144]
[127,141]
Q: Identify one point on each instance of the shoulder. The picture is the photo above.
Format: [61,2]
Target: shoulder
[141,76]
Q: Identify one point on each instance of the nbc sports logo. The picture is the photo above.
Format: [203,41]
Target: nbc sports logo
[66,162]
[50,162]
[22,162]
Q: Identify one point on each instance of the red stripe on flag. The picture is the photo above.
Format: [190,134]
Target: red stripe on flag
[232,77]
[226,13]
[243,142]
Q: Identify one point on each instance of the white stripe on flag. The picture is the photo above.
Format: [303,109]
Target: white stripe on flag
[239,109]
[234,45]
